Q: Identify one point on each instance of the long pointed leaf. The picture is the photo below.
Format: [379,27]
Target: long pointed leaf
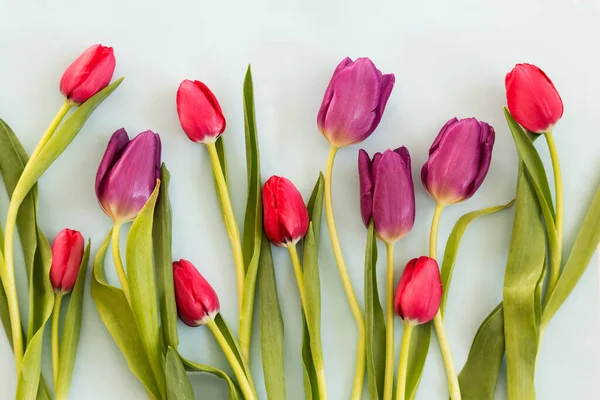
[234,391]
[178,383]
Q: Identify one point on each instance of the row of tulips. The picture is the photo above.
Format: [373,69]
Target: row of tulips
[141,313]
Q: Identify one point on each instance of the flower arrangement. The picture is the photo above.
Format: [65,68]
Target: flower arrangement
[141,310]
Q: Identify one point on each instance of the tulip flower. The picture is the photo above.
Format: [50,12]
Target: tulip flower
[127,174]
[459,160]
[354,102]
[284,212]
[88,74]
[419,291]
[67,252]
[387,193]
[532,98]
[197,302]
[199,112]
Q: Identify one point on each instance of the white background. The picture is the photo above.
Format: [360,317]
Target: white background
[449,58]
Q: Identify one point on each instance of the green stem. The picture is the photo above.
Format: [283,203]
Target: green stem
[433,234]
[116,253]
[403,366]
[388,387]
[320,368]
[8,272]
[55,327]
[230,223]
[243,380]
[556,257]
[359,373]
[440,331]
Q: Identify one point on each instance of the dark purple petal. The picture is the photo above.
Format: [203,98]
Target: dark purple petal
[366,186]
[115,147]
[329,92]
[487,138]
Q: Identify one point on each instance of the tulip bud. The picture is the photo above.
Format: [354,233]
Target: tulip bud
[354,102]
[387,193]
[419,291]
[88,74]
[67,252]
[532,98]
[127,174]
[197,302]
[199,112]
[459,160]
[284,212]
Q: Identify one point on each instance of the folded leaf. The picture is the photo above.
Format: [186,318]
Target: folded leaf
[118,319]
[234,391]
[178,383]
[418,349]
[235,348]
[72,327]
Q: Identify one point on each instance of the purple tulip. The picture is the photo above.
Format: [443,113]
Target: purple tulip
[459,160]
[127,174]
[354,102]
[387,193]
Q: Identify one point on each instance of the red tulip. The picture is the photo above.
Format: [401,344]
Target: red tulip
[197,302]
[419,291]
[89,73]
[284,212]
[532,98]
[199,112]
[67,252]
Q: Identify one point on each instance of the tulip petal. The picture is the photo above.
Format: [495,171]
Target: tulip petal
[199,112]
[293,215]
[387,84]
[419,291]
[115,147]
[196,299]
[329,92]
[366,186]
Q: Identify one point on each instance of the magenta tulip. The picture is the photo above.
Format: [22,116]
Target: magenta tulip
[419,291]
[354,102]
[197,302]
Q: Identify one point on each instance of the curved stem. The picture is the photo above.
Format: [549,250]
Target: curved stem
[116,253]
[55,348]
[440,331]
[243,380]
[229,219]
[8,271]
[433,234]
[359,373]
[402,367]
[319,367]
[388,386]
[556,258]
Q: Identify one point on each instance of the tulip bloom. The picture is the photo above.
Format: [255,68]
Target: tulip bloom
[199,112]
[354,102]
[459,160]
[88,74]
[284,213]
[127,174]
[532,98]
[387,193]
[197,302]
[419,291]
[67,252]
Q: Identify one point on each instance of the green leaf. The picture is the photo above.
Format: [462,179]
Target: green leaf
[234,391]
[253,224]
[525,265]
[453,244]
[311,389]
[220,145]
[583,249]
[118,319]
[178,383]
[315,207]
[142,286]
[235,348]
[71,330]
[4,316]
[271,326]
[479,375]
[374,319]
[162,236]
[418,349]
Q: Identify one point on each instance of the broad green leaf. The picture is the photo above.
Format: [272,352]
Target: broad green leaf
[253,224]
[71,330]
[142,286]
[234,346]
[162,236]
[271,326]
[29,380]
[59,141]
[118,319]
[525,265]
[418,349]
[583,249]
[479,375]
[234,391]
[453,244]
[178,383]
[375,320]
